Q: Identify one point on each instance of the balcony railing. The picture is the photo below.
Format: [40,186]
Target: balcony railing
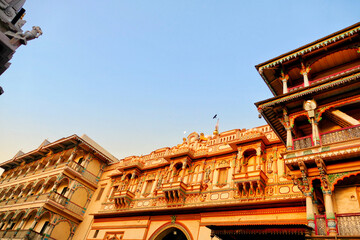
[54,196]
[340,135]
[86,174]
[58,198]
[9,234]
[30,234]
[301,143]
[348,224]
[75,208]
[63,201]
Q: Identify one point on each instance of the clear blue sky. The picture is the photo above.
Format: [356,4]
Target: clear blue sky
[134,75]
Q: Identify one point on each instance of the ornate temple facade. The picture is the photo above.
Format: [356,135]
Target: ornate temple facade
[296,178]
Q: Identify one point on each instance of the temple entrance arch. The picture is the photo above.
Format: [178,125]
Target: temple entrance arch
[171,231]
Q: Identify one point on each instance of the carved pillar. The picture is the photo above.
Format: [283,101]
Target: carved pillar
[21,192]
[330,215]
[141,185]
[258,158]
[284,78]
[289,141]
[21,224]
[304,71]
[12,194]
[310,210]
[183,171]
[158,179]
[38,166]
[56,184]
[276,171]
[59,160]
[87,161]
[49,229]
[238,161]
[212,172]
[41,190]
[48,158]
[201,172]
[310,106]
[216,175]
[28,170]
[30,191]
[315,132]
[72,156]
[33,225]
[132,179]
[285,121]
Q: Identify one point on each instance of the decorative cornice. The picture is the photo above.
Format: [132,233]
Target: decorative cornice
[308,49]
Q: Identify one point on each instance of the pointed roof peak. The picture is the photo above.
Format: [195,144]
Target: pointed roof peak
[18,154]
[44,143]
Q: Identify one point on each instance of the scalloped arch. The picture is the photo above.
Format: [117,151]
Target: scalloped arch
[168,225]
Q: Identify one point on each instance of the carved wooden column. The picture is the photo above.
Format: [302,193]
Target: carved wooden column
[329,209]
[72,156]
[259,154]
[304,71]
[284,78]
[59,160]
[310,106]
[132,179]
[330,215]
[310,210]
[201,172]
[285,121]
[183,170]
[238,163]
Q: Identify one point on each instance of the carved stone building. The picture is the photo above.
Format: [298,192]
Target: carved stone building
[296,178]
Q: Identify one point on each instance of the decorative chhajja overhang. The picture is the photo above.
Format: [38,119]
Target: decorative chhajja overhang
[174,192]
[251,183]
[123,198]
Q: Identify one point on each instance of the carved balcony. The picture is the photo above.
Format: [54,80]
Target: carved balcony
[123,198]
[174,192]
[251,183]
